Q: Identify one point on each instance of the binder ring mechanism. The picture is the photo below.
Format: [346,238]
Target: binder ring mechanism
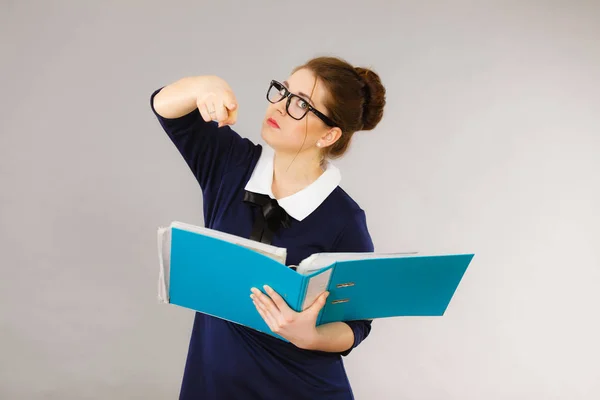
[340,301]
[339,286]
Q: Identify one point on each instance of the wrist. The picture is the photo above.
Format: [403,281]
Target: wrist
[312,342]
[196,86]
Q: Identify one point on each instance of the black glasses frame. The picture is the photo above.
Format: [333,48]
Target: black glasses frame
[289,95]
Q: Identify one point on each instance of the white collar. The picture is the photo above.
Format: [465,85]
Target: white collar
[301,204]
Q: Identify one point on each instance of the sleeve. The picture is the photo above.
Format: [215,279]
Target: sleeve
[355,237]
[209,151]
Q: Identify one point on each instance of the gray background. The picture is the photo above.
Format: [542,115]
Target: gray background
[490,144]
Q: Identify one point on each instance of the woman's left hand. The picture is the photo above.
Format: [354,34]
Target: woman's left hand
[297,327]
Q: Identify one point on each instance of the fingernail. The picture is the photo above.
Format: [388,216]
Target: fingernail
[267,288]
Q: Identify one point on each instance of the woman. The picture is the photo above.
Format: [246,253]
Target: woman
[286,194]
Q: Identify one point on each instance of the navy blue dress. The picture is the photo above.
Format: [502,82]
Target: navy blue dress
[229,361]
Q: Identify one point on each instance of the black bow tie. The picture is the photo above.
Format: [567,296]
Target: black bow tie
[270,218]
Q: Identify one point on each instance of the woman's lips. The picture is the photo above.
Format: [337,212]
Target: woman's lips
[273,123]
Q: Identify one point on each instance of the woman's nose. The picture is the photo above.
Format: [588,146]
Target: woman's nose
[280,106]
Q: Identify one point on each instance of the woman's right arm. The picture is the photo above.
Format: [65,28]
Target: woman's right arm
[210,149]
[205,93]
[178,98]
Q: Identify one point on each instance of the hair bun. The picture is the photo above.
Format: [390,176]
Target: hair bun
[374,98]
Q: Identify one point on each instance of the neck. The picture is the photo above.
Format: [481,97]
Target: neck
[292,173]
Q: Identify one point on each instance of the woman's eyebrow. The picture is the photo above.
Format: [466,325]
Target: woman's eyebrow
[307,97]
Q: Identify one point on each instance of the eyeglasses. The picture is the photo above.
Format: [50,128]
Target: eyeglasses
[296,106]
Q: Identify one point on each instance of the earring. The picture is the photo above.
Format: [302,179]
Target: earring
[318,144]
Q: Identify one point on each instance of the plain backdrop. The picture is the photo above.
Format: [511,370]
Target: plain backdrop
[490,144]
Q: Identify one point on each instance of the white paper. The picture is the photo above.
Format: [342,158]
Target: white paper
[317,285]
[321,260]
[277,253]
[164,257]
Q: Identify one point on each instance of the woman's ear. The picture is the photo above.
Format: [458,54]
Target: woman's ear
[332,136]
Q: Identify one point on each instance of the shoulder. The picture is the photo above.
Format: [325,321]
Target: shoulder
[343,205]
[351,220]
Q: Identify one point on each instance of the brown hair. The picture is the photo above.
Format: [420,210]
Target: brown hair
[355,101]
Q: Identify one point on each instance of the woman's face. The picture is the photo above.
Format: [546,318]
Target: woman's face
[286,134]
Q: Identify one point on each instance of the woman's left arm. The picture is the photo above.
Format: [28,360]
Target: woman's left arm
[335,337]
[300,327]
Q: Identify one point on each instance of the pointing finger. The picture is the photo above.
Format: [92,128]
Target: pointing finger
[220,114]
[203,108]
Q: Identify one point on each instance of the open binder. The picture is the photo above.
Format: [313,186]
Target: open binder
[212,272]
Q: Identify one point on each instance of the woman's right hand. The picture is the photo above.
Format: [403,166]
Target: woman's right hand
[216,101]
